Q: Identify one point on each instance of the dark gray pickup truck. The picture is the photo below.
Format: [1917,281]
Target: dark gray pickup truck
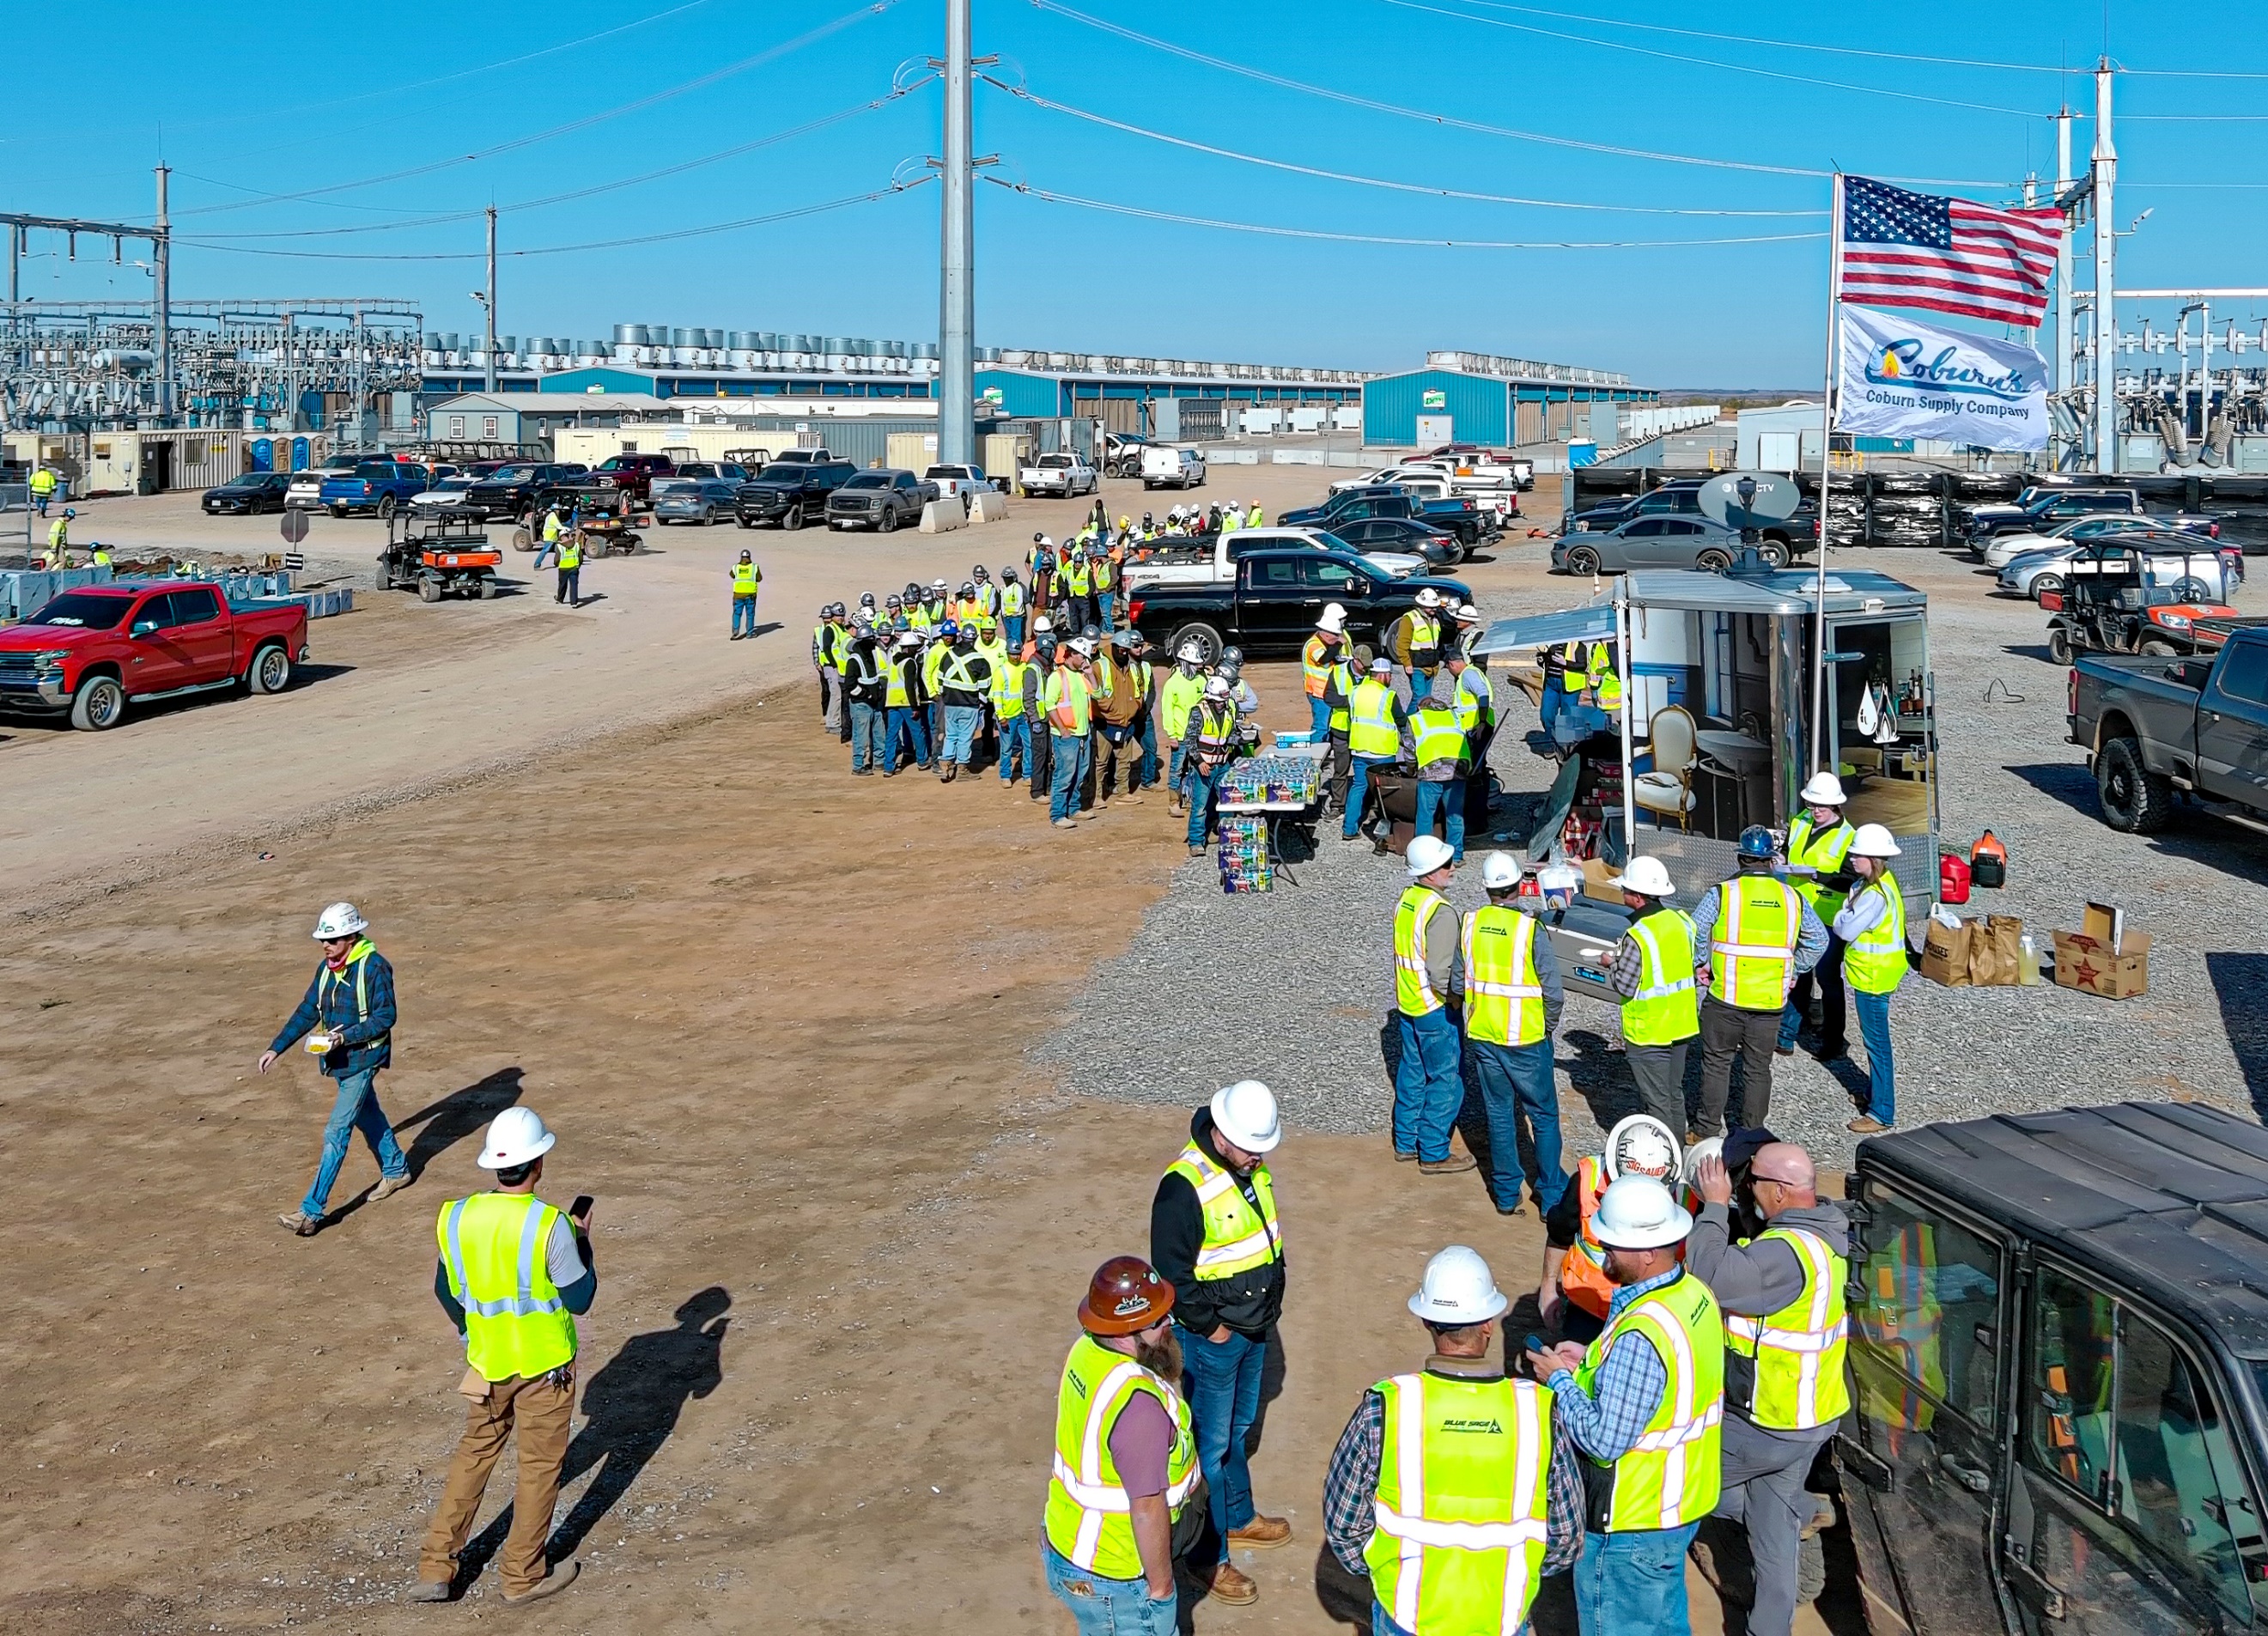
[2151,726]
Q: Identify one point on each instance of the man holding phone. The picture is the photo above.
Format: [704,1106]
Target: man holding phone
[512,1275]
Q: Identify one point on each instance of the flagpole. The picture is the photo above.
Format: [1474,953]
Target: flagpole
[1826,470]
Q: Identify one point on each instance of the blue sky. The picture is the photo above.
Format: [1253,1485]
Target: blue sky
[255,106]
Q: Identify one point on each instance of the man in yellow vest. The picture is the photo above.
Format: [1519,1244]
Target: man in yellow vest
[43,488]
[1414,641]
[554,524]
[1177,699]
[830,648]
[1323,649]
[1818,840]
[1069,701]
[1756,935]
[1214,1237]
[1126,1460]
[1429,1087]
[1448,1490]
[1785,1336]
[1513,1000]
[1012,610]
[1873,928]
[59,542]
[1443,760]
[514,1275]
[1011,719]
[1211,740]
[571,569]
[1652,971]
[905,700]
[747,579]
[1378,728]
[1643,1403]
[1120,706]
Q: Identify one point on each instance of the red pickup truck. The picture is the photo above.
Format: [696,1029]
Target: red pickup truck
[92,651]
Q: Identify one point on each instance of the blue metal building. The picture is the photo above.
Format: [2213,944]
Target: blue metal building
[1470,397]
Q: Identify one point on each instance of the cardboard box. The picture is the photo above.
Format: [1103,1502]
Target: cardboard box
[2104,956]
[1597,873]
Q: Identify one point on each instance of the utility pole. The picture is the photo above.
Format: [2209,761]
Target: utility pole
[956,376]
[163,254]
[2105,311]
[488,352]
[2063,369]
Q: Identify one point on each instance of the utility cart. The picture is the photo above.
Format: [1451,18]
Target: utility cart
[437,556]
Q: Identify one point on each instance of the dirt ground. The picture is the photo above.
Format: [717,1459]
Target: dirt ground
[779,1021]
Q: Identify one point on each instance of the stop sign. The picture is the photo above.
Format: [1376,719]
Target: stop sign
[294,524]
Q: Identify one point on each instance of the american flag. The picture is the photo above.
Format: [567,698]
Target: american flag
[1949,255]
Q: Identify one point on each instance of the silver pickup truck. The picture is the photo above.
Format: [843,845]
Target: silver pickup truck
[2153,727]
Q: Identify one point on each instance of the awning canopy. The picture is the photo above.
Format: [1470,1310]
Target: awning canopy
[1593,623]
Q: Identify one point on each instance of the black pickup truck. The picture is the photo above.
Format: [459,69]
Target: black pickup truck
[2154,725]
[791,493]
[1271,610]
[512,491]
[1472,527]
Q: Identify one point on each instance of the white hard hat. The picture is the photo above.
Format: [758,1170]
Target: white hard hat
[1333,619]
[516,1136]
[1636,1212]
[1191,654]
[1874,841]
[1081,646]
[1217,688]
[1245,1113]
[1824,790]
[1642,1145]
[1428,597]
[1707,1147]
[1645,875]
[1458,1288]
[1380,661]
[1500,870]
[1466,610]
[1042,624]
[339,920]
[1426,853]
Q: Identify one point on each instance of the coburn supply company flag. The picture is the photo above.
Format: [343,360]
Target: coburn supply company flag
[1901,378]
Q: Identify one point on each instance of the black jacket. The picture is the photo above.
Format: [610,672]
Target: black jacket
[1250,1302]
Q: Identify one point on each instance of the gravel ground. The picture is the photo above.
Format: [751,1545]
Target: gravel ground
[1295,987]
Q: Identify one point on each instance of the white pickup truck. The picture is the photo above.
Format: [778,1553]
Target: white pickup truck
[1210,559]
[1433,479]
[1067,475]
[958,483]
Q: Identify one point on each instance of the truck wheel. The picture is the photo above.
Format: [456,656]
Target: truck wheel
[98,704]
[2134,798]
[1582,560]
[270,671]
[385,506]
[889,523]
[2158,650]
[2189,588]
[1774,555]
[522,541]
[428,590]
[1207,638]
[2059,645]
[793,520]
[1713,561]
[338,511]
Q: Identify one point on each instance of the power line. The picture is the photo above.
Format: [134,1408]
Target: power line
[1037,100]
[1344,238]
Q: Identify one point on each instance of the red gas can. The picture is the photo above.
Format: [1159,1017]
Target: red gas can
[1952,877]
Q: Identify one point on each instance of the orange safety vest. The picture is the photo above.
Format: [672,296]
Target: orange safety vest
[1583,1274]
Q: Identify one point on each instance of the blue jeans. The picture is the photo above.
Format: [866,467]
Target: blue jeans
[571,586]
[356,1110]
[1428,1090]
[1013,625]
[1319,718]
[868,748]
[1221,1380]
[1633,1582]
[1432,796]
[744,610]
[1202,782]
[1516,1083]
[905,718]
[1176,762]
[1015,737]
[1358,782]
[1068,752]
[960,732]
[1874,1029]
[1145,770]
[1107,1607]
[1103,600]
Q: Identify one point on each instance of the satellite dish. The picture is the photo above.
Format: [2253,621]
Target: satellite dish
[1772,498]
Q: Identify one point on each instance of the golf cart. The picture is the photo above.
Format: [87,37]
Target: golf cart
[2113,602]
[438,554]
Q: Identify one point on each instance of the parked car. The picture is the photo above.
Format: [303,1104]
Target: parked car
[1121,453]
[1270,610]
[2005,548]
[2174,560]
[1063,473]
[1168,465]
[1211,559]
[1679,497]
[2151,725]
[883,498]
[511,491]
[92,651]
[381,487]
[450,497]
[1439,547]
[709,500]
[305,492]
[1459,516]
[1658,542]
[1983,522]
[791,493]
[2056,506]
[633,474]
[963,482]
[247,496]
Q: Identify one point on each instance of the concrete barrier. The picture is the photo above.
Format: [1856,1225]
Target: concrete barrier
[942,517]
[991,506]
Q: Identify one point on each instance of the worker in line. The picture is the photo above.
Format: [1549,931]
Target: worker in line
[1428,1089]
[1339,721]
[1125,1462]
[966,607]
[1229,519]
[1643,1402]
[938,605]
[1786,1334]
[1652,971]
[1447,1489]
[1575,1292]
[747,578]
[1120,709]
[830,647]
[964,684]
[1513,1000]
[937,641]
[1872,930]
[1012,610]
[1818,840]
[1378,730]
[906,700]
[1255,518]
[1322,651]
[43,487]
[1075,586]
[1214,1237]
[1105,581]
[571,569]
[1442,753]
[1145,727]
[1070,701]
[1758,934]
[988,594]
[514,1275]
[554,524]
[866,689]
[1212,739]
[59,540]
[1177,697]
[1013,712]
[1044,649]
[346,1019]
[1414,642]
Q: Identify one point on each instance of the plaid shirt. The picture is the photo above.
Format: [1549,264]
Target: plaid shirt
[1629,1384]
[1351,1493]
[365,1042]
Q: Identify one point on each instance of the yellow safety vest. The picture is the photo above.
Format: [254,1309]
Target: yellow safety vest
[1372,731]
[1877,963]
[1230,522]
[1008,688]
[1823,850]
[492,1246]
[101,557]
[917,618]
[1463,1503]
[1180,696]
[1089,1516]
[1572,677]
[1011,601]
[898,694]
[43,482]
[932,664]
[360,952]
[1795,1356]
[1253,518]
[1665,1009]
[552,527]
[1671,1476]
[1439,737]
[1078,578]
[1504,1000]
[571,554]
[1339,718]
[1475,699]
[1424,630]
[1413,984]
[1759,920]
[1237,1238]
[1316,664]
[746,577]
[58,535]
[1068,688]
[1102,579]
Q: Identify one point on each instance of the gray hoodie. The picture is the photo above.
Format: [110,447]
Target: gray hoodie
[1757,1277]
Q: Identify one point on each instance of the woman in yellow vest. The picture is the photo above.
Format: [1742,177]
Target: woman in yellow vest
[1873,928]
[1512,1000]
[1819,839]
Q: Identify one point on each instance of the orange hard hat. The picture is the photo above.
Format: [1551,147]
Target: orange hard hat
[1125,1297]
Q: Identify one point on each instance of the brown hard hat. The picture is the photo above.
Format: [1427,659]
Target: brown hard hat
[1126,1297]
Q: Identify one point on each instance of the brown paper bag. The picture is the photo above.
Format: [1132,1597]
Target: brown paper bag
[1945,954]
[2007,935]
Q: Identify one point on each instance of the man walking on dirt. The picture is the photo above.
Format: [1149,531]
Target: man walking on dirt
[571,569]
[347,1020]
[513,1273]
[747,579]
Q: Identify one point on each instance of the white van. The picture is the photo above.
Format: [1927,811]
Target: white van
[1164,466]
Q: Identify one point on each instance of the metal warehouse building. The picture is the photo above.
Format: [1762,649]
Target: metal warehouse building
[1474,397]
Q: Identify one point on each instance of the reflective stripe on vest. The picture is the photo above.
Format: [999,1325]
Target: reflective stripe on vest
[1463,1474]
[1583,1270]
[899,695]
[1439,737]
[1011,601]
[1413,985]
[493,1249]
[1799,1350]
[744,576]
[1759,920]
[1504,1001]
[1008,689]
[1089,1515]
[1068,688]
[1666,1009]
[1876,963]
[1236,1237]
[1671,1475]
[1824,852]
[1370,731]
[1474,701]
[1316,665]
[571,554]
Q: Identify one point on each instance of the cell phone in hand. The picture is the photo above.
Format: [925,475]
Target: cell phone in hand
[580,1209]
[1533,1342]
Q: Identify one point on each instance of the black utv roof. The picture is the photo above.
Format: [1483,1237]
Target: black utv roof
[2169,1198]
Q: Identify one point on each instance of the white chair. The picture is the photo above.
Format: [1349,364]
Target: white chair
[1668,787]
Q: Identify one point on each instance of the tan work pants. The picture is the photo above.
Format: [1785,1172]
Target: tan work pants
[542,1412]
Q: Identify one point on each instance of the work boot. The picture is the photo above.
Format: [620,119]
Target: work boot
[1261,1534]
[1233,1586]
[1405,1155]
[1450,1166]
[1866,1125]
[427,1590]
[389,1185]
[1196,851]
[305,1225]
[1066,823]
[562,1576]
